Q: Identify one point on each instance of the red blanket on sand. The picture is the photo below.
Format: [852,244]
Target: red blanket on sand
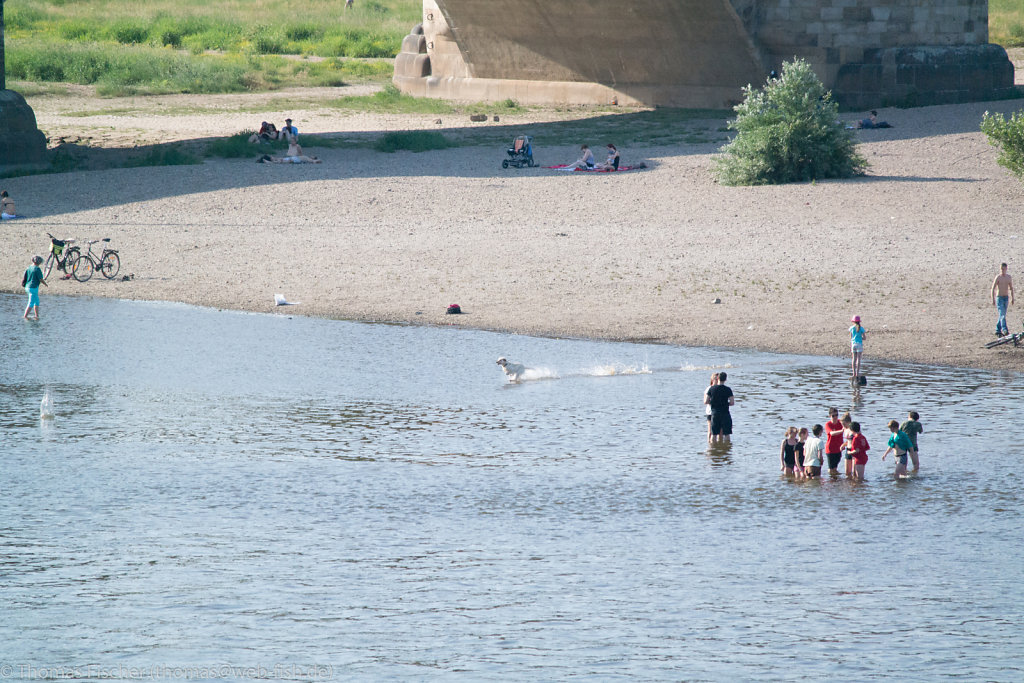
[564,167]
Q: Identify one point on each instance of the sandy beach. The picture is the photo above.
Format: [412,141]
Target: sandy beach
[663,254]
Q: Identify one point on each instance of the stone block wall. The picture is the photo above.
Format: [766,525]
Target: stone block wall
[831,33]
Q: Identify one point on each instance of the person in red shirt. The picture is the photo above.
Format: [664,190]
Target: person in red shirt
[858,447]
[833,441]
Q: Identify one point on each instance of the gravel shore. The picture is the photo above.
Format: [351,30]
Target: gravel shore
[663,254]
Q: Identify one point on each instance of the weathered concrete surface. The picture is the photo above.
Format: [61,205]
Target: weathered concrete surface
[700,53]
[21,143]
[693,53]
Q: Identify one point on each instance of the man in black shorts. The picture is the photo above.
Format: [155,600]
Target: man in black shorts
[720,397]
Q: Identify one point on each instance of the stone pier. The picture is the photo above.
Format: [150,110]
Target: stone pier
[700,53]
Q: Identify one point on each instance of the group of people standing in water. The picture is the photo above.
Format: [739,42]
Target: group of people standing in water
[803,454]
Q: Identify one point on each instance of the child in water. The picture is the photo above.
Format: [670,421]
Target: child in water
[900,443]
[847,436]
[858,448]
[912,428]
[707,406]
[814,449]
[799,452]
[787,452]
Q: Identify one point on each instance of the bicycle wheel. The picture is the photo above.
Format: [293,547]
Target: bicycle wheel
[82,269]
[1000,341]
[48,266]
[70,256]
[110,264]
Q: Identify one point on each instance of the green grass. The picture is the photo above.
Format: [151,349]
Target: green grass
[1006,22]
[201,46]
[392,101]
[373,28]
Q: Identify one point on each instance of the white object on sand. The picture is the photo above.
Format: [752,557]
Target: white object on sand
[281,301]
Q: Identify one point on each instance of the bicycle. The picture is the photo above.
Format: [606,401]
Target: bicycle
[64,260]
[108,263]
[1017,339]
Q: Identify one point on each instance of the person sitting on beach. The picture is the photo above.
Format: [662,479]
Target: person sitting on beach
[267,132]
[612,162]
[586,160]
[6,206]
[289,130]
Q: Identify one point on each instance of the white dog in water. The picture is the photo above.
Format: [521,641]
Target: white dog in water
[514,370]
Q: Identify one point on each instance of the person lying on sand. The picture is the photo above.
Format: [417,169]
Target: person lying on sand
[872,122]
[291,159]
[294,155]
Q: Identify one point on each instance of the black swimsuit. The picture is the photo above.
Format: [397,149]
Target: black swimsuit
[789,455]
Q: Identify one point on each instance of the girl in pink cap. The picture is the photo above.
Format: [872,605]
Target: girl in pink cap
[856,345]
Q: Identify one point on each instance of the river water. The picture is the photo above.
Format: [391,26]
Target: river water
[272,496]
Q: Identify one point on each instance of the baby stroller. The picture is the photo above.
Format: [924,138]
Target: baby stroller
[520,153]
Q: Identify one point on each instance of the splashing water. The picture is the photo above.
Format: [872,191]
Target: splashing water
[538,373]
[46,407]
[616,369]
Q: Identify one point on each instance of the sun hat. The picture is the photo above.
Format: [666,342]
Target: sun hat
[855,319]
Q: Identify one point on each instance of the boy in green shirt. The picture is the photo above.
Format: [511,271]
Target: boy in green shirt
[900,443]
[912,428]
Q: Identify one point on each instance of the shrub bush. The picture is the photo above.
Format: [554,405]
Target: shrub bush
[788,131]
[1008,136]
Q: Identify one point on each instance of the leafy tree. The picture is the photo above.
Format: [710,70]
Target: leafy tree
[1008,135]
[788,131]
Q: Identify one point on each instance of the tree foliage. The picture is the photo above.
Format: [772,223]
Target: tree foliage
[788,131]
[1008,136]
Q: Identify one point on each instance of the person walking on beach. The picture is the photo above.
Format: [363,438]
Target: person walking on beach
[858,448]
[707,407]
[720,397]
[900,443]
[33,276]
[856,345]
[833,440]
[1002,296]
[912,427]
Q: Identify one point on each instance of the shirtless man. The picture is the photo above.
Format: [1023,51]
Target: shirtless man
[1002,294]
[6,206]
